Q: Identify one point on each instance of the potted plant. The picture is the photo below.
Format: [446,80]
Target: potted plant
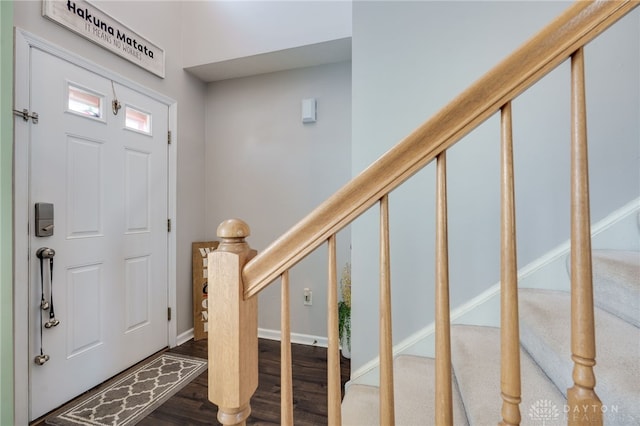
[344,311]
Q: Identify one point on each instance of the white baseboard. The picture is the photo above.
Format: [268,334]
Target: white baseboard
[184,337]
[299,338]
[264,333]
[619,229]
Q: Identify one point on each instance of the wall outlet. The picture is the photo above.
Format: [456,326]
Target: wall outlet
[308,297]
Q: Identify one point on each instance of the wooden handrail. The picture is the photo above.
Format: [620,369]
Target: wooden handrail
[578,25]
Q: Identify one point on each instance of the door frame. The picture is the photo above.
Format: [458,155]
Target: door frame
[24,42]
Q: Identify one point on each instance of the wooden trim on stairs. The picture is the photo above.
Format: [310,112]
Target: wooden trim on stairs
[510,373]
[233,327]
[443,379]
[387,399]
[286,373]
[582,396]
[333,351]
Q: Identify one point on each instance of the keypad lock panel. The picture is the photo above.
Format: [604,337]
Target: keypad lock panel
[44,220]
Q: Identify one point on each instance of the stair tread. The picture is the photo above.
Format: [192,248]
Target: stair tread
[616,283]
[476,361]
[360,405]
[545,334]
[414,390]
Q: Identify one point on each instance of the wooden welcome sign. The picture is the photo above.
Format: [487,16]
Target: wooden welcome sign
[200,252]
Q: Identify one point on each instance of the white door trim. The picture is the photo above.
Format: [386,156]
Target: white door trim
[24,41]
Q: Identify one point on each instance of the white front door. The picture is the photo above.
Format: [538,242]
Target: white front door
[106,176]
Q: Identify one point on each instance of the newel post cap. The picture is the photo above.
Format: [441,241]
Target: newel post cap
[233,228]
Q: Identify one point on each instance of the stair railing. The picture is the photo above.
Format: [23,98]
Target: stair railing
[237,275]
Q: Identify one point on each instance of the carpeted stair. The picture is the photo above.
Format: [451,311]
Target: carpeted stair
[546,365]
[413,396]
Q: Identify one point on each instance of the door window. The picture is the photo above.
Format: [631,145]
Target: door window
[84,102]
[137,120]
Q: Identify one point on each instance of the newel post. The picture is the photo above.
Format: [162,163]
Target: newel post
[233,326]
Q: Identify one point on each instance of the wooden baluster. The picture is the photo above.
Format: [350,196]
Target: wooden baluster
[509,328]
[286,379]
[444,404]
[581,398]
[333,352]
[387,410]
[233,327]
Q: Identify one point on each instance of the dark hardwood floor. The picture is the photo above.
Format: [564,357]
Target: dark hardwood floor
[190,405]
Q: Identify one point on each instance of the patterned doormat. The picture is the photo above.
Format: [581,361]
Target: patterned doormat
[129,399]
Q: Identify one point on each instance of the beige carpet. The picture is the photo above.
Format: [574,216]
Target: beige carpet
[545,357]
[129,399]
[414,390]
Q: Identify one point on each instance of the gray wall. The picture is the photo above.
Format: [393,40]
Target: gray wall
[184,88]
[409,60]
[268,168]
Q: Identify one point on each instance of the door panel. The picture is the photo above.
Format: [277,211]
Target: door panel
[144,227]
[108,186]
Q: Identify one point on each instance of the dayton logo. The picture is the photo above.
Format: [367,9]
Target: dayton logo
[544,411]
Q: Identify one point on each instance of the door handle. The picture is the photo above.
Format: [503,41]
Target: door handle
[45,252]
[41,359]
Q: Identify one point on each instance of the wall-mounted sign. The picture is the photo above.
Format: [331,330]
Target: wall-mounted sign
[95,25]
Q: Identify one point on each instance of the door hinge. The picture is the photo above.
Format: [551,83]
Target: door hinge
[168,225]
[168,313]
[26,116]
[169,137]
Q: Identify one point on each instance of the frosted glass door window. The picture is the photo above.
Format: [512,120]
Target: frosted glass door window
[84,102]
[137,120]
